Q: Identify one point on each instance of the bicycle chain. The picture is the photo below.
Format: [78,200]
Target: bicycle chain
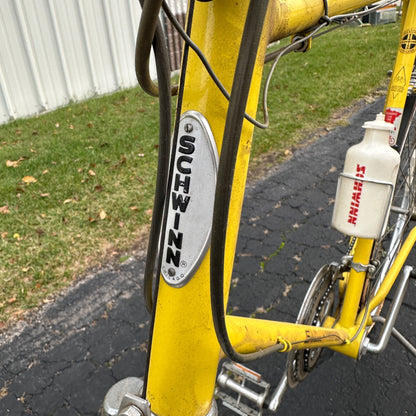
[315,322]
[315,307]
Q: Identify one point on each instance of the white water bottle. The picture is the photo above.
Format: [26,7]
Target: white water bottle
[366,186]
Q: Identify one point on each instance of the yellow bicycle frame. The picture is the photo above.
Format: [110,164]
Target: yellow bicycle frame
[184,349]
[350,320]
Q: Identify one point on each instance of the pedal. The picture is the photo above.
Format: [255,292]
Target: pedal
[246,391]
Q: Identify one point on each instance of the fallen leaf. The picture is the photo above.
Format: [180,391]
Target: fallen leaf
[29,179]
[143,346]
[68,201]
[45,172]
[11,300]
[91,172]
[4,210]
[71,127]
[12,163]
[4,234]
[17,314]
[44,195]
[98,188]
[103,215]
[134,208]
[288,288]
[3,392]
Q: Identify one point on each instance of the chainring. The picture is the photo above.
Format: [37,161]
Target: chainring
[317,305]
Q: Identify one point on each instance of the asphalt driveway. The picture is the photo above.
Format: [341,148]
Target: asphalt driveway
[62,361]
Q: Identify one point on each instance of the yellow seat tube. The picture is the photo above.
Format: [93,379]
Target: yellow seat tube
[355,284]
[403,68]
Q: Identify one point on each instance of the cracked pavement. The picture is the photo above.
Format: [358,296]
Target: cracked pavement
[62,360]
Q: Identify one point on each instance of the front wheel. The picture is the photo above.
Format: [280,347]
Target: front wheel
[402,211]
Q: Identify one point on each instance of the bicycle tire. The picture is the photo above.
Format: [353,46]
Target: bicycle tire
[403,207]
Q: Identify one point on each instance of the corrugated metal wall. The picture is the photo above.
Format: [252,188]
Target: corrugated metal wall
[56,51]
[178,7]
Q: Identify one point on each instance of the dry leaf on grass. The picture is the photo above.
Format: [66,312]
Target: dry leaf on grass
[12,163]
[29,179]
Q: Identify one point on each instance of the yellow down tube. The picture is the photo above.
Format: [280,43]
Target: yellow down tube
[184,351]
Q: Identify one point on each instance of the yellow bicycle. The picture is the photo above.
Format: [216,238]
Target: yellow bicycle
[199,194]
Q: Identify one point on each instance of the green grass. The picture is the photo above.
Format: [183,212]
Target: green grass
[77,184]
[308,87]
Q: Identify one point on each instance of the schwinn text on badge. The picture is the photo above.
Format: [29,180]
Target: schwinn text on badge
[188,228]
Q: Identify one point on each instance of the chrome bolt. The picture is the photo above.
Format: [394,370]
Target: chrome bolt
[171,271]
[130,411]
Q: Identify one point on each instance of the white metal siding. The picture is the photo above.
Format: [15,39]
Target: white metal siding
[55,51]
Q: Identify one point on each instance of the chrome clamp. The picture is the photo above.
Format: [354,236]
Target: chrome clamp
[359,267]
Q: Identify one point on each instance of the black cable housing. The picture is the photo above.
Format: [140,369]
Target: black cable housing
[238,100]
[164,92]
[164,173]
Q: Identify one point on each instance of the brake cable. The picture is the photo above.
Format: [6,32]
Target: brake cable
[164,93]
[160,218]
[234,122]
